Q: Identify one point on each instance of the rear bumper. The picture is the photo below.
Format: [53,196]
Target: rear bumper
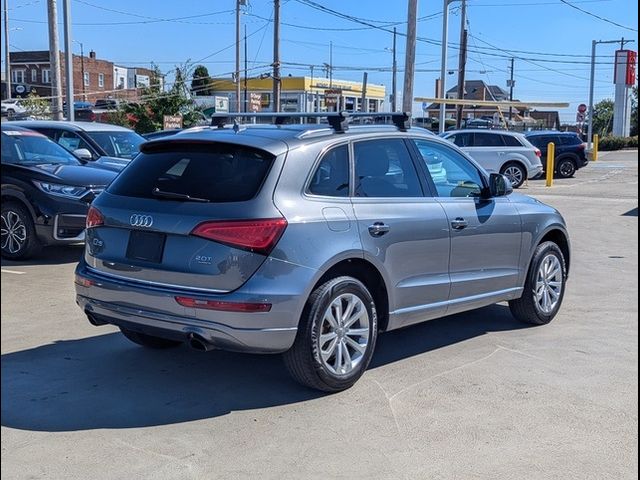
[534,171]
[154,311]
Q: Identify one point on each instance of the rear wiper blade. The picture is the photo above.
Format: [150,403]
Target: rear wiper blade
[178,196]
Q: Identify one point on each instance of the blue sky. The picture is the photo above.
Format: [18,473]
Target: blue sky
[550,32]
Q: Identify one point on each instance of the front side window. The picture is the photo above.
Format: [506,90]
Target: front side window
[331,178]
[29,148]
[118,144]
[71,141]
[452,174]
[383,168]
[462,139]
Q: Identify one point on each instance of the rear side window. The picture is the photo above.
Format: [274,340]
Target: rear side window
[570,140]
[384,168]
[331,178]
[511,141]
[487,140]
[212,172]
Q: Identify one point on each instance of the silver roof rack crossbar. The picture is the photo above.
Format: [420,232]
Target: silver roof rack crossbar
[337,120]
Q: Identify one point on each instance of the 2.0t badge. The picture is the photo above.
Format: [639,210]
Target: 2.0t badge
[139,220]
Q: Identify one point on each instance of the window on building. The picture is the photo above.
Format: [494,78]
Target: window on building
[34,75]
[86,79]
[101,80]
[17,76]
[46,75]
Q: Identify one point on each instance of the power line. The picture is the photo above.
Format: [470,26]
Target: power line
[598,16]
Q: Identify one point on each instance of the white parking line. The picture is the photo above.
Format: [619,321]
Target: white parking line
[4,270]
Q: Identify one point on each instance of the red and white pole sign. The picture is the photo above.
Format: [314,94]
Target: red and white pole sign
[624,72]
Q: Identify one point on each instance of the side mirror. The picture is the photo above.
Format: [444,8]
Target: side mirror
[83,154]
[499,185]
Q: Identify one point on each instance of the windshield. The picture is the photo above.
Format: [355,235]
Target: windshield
[118,144]
[29,148]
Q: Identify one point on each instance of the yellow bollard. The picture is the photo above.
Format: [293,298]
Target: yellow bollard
[596,141]
[551,153]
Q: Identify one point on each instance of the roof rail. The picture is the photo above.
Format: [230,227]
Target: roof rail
[337,120]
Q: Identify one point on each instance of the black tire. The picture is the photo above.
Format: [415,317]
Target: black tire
[303,360]
[525,308]
[523,173]
[17,219]
[149,341]
[566,168]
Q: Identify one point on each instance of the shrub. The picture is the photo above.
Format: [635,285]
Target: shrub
[617,143]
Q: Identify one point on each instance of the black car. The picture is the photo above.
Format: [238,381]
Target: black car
[570,150]
[46,193]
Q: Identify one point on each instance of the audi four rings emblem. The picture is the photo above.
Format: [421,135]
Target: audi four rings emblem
[138,220]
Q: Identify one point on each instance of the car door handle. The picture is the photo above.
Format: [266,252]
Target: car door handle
[459,223]
[378,229]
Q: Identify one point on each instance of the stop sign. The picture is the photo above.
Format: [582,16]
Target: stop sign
[582,108]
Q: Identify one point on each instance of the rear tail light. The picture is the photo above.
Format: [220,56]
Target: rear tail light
[538,152]
[245,307]
[258,236]
[94,217]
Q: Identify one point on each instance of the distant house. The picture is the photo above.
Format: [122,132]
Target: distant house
[475,90]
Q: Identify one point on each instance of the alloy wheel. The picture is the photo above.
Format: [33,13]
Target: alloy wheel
[344,334]
[548,284]
[13,232]
[514,174]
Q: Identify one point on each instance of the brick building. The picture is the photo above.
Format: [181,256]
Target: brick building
[93,78]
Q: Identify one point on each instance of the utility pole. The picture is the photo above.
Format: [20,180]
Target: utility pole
[313,108]
[54,59]
[394,73]
[68,59]
[238,55]
[7,57]
[246,69]
[364,106]
[410,58]
[84,87]
[511,85]
[443,63]
[330,64]
[276,55]
[462,62]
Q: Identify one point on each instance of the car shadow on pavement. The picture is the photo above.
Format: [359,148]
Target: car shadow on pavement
[107,382]
[50,256]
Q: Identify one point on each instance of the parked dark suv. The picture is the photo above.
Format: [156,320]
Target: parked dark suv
[46,192]
[570,151]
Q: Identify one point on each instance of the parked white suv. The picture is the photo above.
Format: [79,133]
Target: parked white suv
[500,151]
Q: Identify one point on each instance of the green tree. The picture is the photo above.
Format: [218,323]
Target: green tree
[147,115]
[201,81]
[38,108]
[603,117]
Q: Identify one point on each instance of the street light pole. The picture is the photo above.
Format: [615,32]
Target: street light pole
[68,59]
[84,89]
[7,57]
[443,63]
[394,70]
[410,57]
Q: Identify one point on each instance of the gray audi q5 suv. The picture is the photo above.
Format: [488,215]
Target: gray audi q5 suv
[308,240]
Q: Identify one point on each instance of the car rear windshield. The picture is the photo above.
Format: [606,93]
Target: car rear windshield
[213,172]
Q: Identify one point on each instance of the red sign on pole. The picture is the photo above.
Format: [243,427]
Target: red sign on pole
[582,108]
[624,72]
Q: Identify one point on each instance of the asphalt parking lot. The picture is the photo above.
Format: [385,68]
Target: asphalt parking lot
[472,396]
